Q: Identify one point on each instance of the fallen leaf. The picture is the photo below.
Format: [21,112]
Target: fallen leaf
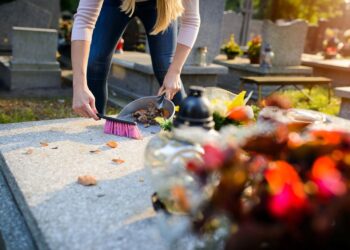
[44,144]
[141,180]
[112,144]
[146,125]
[54,148]
[95,151]
[29,151]
[87,180]
[118,161]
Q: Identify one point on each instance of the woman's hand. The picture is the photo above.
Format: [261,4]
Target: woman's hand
[171,85]
[84,102]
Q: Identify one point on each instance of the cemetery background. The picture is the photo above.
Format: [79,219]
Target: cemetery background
[47,102]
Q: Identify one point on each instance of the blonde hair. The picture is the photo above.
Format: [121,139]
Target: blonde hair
[167,11]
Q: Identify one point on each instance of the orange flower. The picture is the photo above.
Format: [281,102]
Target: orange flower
[241,114]
[327,177]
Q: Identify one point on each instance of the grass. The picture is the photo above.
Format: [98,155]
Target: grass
[35,109]
[319,100]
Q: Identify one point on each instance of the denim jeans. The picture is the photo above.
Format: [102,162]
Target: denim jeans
[110,26]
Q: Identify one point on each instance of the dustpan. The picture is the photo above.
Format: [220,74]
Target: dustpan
[142,103]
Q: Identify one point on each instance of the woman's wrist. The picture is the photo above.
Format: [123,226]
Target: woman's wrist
[175,69]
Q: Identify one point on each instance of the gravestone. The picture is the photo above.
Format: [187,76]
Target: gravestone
[232,23]
[61,214]
[210,31]
[287,41]
[26,13]
[33,64]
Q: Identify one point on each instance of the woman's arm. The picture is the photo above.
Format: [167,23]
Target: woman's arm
[84,23]
[189,27]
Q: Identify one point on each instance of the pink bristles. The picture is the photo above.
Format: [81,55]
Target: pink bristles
[122,129]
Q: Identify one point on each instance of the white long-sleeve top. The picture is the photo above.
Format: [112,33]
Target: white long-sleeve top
[89,10]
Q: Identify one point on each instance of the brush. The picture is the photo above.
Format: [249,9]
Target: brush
[120,127]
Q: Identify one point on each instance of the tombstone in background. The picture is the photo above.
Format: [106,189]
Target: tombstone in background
[26,13]
[232,23]
[210,32]
[33,64]
[287,41]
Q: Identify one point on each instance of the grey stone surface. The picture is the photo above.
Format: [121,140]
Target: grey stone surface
[345,108]
[115,214]
[287,41]
[232,23]
[13,230]
[132,75]
[26,13]
[336,69]
[33,63]
[210,30]
[344,94]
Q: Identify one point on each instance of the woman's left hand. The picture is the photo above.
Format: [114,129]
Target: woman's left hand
[171,85]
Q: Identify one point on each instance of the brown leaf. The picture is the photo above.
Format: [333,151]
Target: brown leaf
[112,144]
[87,180]
[118,161]
[95,151]
[29,151]
[54,148]
[44,144]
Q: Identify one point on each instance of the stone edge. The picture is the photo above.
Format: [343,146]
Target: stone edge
[39,239]
[343,92]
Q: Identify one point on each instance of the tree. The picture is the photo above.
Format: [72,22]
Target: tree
[309,10]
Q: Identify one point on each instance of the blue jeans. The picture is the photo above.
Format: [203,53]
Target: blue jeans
[110,26]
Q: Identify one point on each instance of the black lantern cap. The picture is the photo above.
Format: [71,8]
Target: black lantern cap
[195,110]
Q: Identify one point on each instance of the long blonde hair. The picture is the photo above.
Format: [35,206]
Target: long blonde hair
[167,11]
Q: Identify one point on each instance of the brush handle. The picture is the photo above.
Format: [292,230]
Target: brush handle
[115,119]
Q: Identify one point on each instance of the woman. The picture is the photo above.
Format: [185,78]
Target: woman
[110,18]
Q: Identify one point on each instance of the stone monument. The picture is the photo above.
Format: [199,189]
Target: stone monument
[26,13]
[33,64]
[287,40]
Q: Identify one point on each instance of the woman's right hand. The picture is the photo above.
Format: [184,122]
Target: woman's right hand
[84,102]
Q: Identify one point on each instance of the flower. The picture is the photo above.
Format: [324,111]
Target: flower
[213,157]
[287,191]
[327,177]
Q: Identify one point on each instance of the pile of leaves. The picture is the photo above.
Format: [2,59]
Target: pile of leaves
[283,186]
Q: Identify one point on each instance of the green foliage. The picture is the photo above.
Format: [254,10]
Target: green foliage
[35,109]
[310,10]
[69,5]
[319,101]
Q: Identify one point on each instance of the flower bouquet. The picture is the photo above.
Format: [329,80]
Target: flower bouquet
[231,48]
[254,48]
[276,186]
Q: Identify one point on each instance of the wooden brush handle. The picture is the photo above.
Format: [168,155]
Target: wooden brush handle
[115,119]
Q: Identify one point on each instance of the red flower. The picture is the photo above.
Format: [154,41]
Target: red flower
[213,157]
[286,189]
[327,177]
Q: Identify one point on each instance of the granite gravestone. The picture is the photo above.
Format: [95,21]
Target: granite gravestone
[232,23]
[33,63]
[26,13]
[287,41]
[210,31]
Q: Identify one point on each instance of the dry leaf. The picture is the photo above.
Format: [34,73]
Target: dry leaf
[118,161]
[141,180]
[54,148]
[29,151]
[87,180]
[44,144]
[112,144]
[95,151]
